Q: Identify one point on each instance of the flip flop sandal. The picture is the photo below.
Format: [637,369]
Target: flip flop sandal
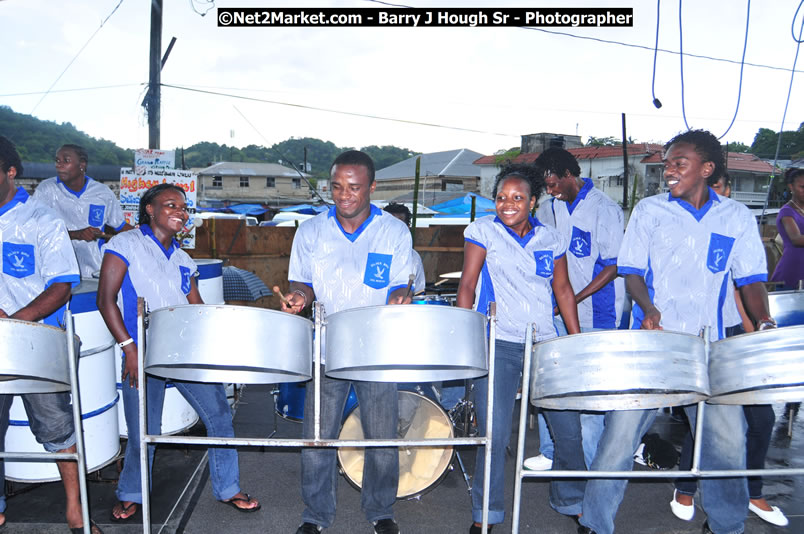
[231,502]
[95,529]
[124,510]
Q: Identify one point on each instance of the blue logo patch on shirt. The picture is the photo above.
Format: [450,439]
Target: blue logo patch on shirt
[19,260]
[186,275]
[580,243]
[719,250]
[96,212]
[378,270]
[544,263]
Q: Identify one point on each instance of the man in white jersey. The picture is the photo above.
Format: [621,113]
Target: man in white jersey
[351,256]
[39,269]
[592,223]
[89,209]
[679,254]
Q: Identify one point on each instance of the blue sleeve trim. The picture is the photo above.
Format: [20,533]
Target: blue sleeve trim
[751,279]
[72,279]
[606,263]
[120,227]
[308,284]
[395,288]
[630,270]
[481,245]
[561,255]
[119,256]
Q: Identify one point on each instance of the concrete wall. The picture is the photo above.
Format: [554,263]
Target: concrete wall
[256,190]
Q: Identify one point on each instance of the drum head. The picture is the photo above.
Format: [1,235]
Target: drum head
[420,468]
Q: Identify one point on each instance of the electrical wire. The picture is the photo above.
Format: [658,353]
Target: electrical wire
[656,101]
[76,56]
[211,4]
[339,112]
[681,59]
[742,65]
[133,84]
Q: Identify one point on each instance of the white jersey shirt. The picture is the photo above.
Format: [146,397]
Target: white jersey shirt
[418,271]
[517,275]
[95,205]
[593,226]
[36,254]
[352,270]
[689,258]
[162,276]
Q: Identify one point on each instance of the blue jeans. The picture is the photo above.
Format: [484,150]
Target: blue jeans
[319,475]
[725,500]
[209,401]
[50,416]
[508,360]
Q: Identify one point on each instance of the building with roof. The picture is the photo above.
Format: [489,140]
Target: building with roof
[450,170]
[263,183]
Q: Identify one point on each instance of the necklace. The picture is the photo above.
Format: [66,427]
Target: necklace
[799,208]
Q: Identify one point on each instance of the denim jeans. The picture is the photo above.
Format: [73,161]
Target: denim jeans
[725,500]
[319,474]
[209,401]
[50,416]
[508,360]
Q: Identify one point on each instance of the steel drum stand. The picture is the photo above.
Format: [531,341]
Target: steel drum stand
[694,471]
[146,439]
[79,454]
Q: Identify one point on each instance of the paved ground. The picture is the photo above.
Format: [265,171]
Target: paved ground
[183,502]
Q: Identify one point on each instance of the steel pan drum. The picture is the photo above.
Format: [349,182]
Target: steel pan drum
[758,368]
[619,370]
[406,344]
[420,468]
[33,358]
[208,343]
[787,307]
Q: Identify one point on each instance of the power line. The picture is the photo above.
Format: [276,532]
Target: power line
[76,56]
[339,112]
[75,89]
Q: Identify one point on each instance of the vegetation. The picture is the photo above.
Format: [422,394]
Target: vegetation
[765,141]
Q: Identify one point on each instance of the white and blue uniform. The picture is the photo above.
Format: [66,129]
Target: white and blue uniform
[689,258]
[36,254]
[95,205]
[517,275]
[351,270]
[161,276]
[164,278]
[418,271]
[593,225]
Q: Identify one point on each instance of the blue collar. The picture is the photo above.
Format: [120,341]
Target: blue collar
[147,231]
[587,186]
[374,212]
[77,194]
[698,214]
[534,222]
[20,197]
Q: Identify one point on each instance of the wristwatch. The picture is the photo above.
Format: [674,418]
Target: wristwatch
[766,323]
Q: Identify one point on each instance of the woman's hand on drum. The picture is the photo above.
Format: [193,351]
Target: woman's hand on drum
[130,369]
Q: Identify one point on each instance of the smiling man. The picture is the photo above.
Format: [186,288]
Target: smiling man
[680,252]
[352,256]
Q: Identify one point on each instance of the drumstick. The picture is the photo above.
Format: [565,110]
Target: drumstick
[282,297]
[411,278]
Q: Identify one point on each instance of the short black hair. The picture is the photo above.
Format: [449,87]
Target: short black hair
[355,157]
[150,197]
[790,174]
[559,162]
[9,157]
[395,208]
[83,155]
[707,146]
[713,180]
[530,173]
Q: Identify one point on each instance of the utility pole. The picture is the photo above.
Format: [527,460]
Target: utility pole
[155,77]
[625,167]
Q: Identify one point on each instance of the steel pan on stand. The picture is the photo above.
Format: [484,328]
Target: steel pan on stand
[99,397]
[619,370]
[759,367]
[210,280]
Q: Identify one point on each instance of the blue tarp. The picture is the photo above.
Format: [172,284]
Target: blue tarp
[242,209]
[306,209]
[463,205]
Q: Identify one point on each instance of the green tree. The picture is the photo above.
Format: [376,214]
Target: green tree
[792,147]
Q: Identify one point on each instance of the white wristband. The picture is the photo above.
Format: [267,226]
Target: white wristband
[122,344]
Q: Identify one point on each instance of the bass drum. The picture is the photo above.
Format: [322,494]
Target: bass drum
[420,468]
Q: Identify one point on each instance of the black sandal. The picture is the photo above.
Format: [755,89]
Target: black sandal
[124,510]
[231,502]
[93,528]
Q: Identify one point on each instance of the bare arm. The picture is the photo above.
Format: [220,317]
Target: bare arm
[565,296]
[793,233]
[473,259]
[113,270]
[605,276]
[50,300]
[638,290]
[755,300]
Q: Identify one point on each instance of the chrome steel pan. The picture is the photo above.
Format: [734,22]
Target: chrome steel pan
[33,358]
[217,343]
[619,370]
[787,307]
[406,343]
[758,368]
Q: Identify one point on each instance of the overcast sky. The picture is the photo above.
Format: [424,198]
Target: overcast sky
[502,82]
